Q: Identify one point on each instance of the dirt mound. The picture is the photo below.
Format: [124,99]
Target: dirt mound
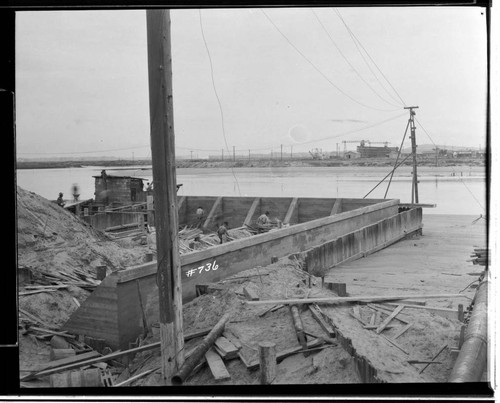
[51,239]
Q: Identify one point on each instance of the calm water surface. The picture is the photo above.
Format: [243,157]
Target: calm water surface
[455,190]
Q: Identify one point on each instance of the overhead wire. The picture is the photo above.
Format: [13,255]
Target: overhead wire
[318,70]
[425,131]
[356,42]
[348,62]
[217,95]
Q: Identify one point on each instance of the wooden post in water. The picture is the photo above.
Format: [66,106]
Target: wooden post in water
[163,158]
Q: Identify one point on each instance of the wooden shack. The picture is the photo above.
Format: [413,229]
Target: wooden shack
[118,190]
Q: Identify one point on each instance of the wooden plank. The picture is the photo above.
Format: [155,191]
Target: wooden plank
[337,207]
[280,356]
[213,212]
[68,360]
[433,358]
[228,349]
[321,321]
[197,333]
[404,329]
[339,300]
[395,344]
[383,325]
[444,312]
[387,311]
[250,294]
[251,212]
[216,365]
[90,361]
[291,210]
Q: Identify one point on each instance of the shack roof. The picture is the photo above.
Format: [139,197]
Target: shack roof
[120,176]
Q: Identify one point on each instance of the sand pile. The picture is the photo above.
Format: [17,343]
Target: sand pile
[51,238]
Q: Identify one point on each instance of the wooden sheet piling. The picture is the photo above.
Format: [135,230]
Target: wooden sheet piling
[193,360]
[165,189]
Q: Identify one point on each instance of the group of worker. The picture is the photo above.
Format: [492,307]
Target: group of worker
[264,224]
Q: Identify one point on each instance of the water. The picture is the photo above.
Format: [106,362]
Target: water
[455,190]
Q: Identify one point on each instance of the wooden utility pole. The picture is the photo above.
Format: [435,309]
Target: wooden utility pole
[281,154]
[166,220]
[222,154]
[234,155]
[414,188]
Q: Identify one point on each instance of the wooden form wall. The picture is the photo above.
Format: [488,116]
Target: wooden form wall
[363,241]
[230,258]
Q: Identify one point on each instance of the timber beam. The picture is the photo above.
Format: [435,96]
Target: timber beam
[213,212]
[291,210]
[337,207]
[251,212]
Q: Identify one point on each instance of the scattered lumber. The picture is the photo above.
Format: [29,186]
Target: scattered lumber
[200,351]
[216,365]
[60,353]
[423,362]
[445,312]
[250,294]
[280,356]
[51,332]
[30,316]
[383,325]
[328,340]
[339,300]
[395,344]
[298,325]
[403,330]
[386,311]
[225,348]
[23,293]
[316,314]
[62,365]
[197,333]
[89,360]
[433,358]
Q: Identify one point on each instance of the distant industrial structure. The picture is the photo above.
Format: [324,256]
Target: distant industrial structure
[365,150]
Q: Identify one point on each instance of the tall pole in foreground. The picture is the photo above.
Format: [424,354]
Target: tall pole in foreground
[414,189]
[166,220]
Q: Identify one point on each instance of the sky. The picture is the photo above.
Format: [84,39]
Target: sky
[256,80]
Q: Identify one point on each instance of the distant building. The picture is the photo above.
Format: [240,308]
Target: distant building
[351,155]
[119,190]
[375,152]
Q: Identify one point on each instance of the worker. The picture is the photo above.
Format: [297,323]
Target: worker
[200,215]
[264,222]
[222,232]
[149,187]
[76,192]
[60,200]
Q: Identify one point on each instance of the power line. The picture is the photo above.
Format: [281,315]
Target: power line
[217,95]
[425,131]
[356,42]
[349,63]
[318,70]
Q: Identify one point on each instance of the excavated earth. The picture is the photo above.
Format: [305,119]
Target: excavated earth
[53,240]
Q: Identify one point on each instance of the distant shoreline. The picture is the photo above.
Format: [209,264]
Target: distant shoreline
[262,163]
